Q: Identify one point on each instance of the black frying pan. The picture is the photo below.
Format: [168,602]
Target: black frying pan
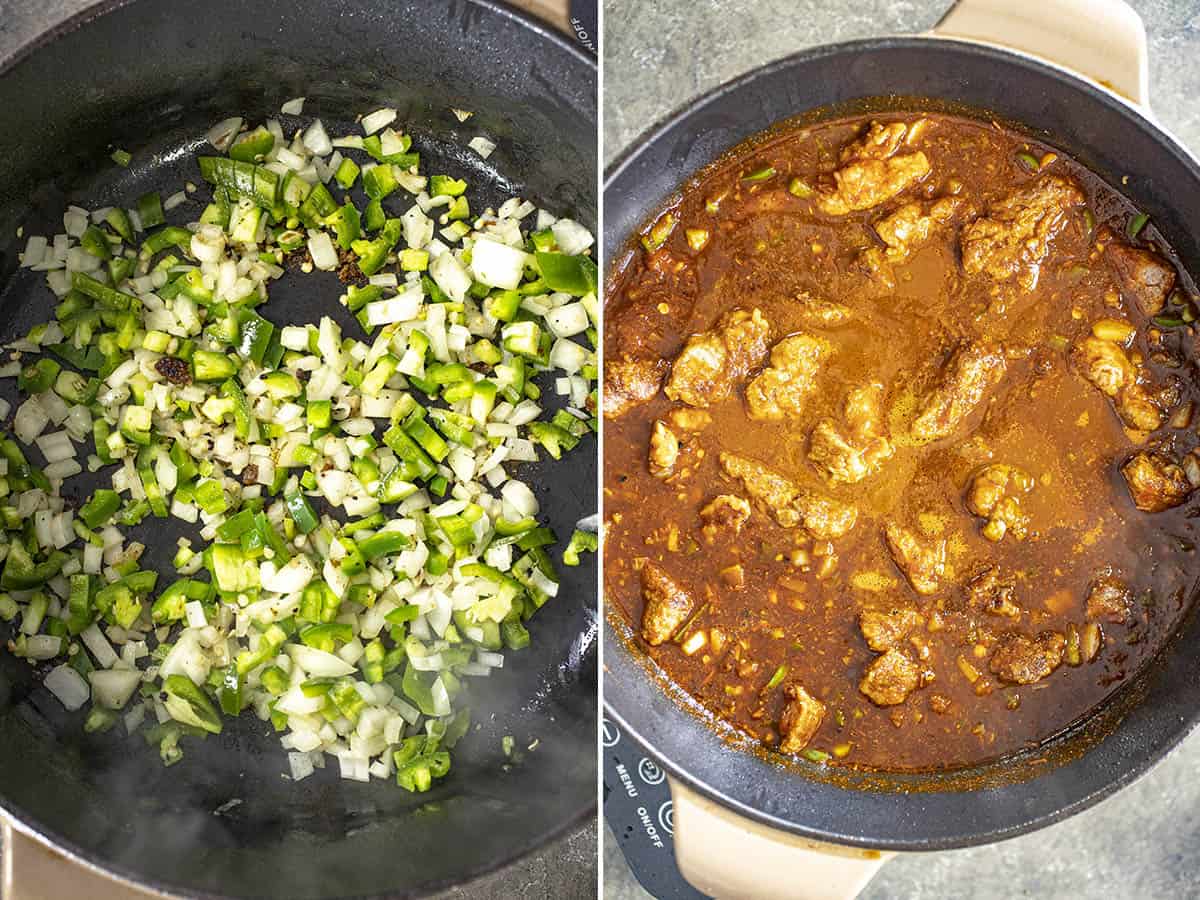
[151,76]
[1148,716]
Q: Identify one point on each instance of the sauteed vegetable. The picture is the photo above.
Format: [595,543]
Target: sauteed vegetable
[900,441]
[362,547]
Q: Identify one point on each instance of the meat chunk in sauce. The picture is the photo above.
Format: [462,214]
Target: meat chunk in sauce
[1013,239]
[890,678]
[990,592]
[923,564]
[1020,659]
[1109,598]
[667,605]
[711,363]
[724,516]
[1144,276]
[687,419]
[1140,409]
[873,171]
[885,629]
[969,372]
[863,410]
[1155,482]
[664,450]
[913,224]
[800,720]
[1107,366]
[841,461]
[995,494]
[849,458]
[822,313]
[791,505]
[780,390]
[629,383]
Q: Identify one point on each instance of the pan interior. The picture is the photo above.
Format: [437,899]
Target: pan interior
[151,77]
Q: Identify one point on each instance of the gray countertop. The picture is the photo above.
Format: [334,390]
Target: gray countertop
[564,870]
[1142,842]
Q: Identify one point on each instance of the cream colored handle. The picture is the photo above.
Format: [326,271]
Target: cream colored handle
[1103,40]
[34,871]
[729,857]
[553,11]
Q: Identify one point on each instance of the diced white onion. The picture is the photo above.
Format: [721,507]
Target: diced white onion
[373,121]
[451,276]
[571,237]
[518,495]
[482,146]
[193,610]
[318,663]
[301,765]
[324,256]
[316,139]
[222,134]
[112,688]
[68,686]
[42,646]
[498,265]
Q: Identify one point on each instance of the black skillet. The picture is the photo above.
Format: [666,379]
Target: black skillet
[151,76]
[1149,716]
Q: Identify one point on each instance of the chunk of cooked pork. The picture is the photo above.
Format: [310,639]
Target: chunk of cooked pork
[712,362]
[664,450]
[800,720]
[1013,240]
[839,460]
[666,607]
[890,678]
[995,494]
[724,516]
[921,562]
[1155,482]
[790,504]
[852,453]
[989,591]
[1107,366]
[884,629]
[873,171]
[1020,659]
[781,389]
[968,373]
[1143,275]
[629,383]
[1109,598]
[912,225]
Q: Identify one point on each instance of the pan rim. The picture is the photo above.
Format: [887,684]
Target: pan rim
[104,7]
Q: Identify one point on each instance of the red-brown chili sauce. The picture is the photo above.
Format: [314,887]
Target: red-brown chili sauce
[898,443]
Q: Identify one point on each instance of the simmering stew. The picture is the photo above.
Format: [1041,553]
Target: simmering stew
[900,421]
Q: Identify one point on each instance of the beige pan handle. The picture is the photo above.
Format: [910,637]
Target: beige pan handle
[731,858]
[33,871]
[1103,40]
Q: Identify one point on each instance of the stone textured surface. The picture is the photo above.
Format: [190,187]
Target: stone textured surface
[565,870]
[1140,844]
[658,55]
